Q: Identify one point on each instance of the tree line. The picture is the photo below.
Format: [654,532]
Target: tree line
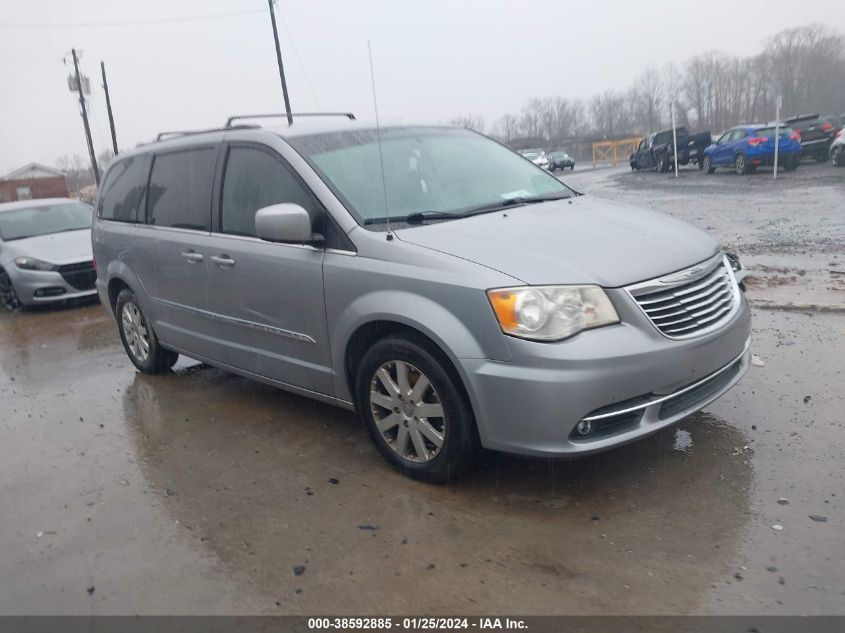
[805,66]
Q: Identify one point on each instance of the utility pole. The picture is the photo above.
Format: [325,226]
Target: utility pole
[279,59]
[674,136]
[108,107]
[777,135]
[85,119]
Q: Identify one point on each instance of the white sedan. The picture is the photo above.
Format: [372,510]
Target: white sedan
[536,156]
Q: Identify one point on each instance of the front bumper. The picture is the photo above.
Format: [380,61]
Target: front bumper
[36,286]
[532,404]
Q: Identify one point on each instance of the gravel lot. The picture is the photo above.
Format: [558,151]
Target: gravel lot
[202,492]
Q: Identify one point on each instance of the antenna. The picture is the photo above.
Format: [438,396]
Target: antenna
[378,136]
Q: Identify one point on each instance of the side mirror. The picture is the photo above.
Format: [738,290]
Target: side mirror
[285,222]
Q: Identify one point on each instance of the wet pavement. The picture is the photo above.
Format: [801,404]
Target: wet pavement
[203,492]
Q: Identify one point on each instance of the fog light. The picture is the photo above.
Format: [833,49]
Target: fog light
[584,427]
[52,291]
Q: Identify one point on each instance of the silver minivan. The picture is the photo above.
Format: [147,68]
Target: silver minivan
[453,293]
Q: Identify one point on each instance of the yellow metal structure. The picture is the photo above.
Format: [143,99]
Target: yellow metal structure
[612,151]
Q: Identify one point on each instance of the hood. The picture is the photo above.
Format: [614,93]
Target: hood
[57,248]
[579,240]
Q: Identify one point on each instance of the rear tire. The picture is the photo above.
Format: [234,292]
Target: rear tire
[662,164]
[741,165]
[425,430]
[821,157]
[139,339]
[8,295]
[791,164]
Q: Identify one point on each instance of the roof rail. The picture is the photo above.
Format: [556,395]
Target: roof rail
[163,135]
[348,115]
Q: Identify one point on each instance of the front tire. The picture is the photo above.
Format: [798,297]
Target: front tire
[708,165]
[415,412]
[8,295]
[838,157]
[139,339]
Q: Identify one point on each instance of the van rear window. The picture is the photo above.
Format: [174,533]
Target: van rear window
[769,132]
[123,190]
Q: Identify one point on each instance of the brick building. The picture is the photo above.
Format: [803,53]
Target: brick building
[33,181]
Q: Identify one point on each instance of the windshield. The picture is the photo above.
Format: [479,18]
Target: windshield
[45,219]
[435,171]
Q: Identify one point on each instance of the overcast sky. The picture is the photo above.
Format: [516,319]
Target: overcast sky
[434,59]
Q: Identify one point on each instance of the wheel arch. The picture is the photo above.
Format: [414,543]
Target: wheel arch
[119,276]
[367,333]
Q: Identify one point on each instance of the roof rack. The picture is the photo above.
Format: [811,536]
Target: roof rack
[229,125]
[163,135]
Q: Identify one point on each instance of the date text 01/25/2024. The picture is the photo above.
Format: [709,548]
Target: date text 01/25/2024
[418,623]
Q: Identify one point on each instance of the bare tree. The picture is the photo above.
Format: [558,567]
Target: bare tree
[77,174]
[508,127]
[646,99]
[805,65]
[104,158]
[471,122]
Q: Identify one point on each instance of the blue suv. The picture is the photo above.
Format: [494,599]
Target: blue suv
[746,147]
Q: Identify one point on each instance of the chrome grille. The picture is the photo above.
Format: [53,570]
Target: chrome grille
[691,302]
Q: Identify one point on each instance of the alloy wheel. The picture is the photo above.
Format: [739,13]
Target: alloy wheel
[8,296]
[740,164]
[407,411]
[135,331]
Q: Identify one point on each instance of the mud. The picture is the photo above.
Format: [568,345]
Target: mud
[203,492]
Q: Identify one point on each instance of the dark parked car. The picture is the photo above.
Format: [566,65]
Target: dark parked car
[746,147]
[817,133]
[559,159]
[657,150]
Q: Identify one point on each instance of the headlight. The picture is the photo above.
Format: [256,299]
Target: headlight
[28,263]
[551,313]
[733,260]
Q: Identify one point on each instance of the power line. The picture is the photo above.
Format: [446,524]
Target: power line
[301,65]
[143,22]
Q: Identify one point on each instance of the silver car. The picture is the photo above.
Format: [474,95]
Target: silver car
[45,252]
[454,294]
[837,149]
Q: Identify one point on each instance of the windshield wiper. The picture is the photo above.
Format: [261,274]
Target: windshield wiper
[418,217]
[512,202]
[421,216]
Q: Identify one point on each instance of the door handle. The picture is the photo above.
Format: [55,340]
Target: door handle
[224,261]
[192,257]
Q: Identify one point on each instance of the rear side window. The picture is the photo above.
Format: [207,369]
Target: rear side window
[769,132]
[255,179]
[179,194]
[123,190]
